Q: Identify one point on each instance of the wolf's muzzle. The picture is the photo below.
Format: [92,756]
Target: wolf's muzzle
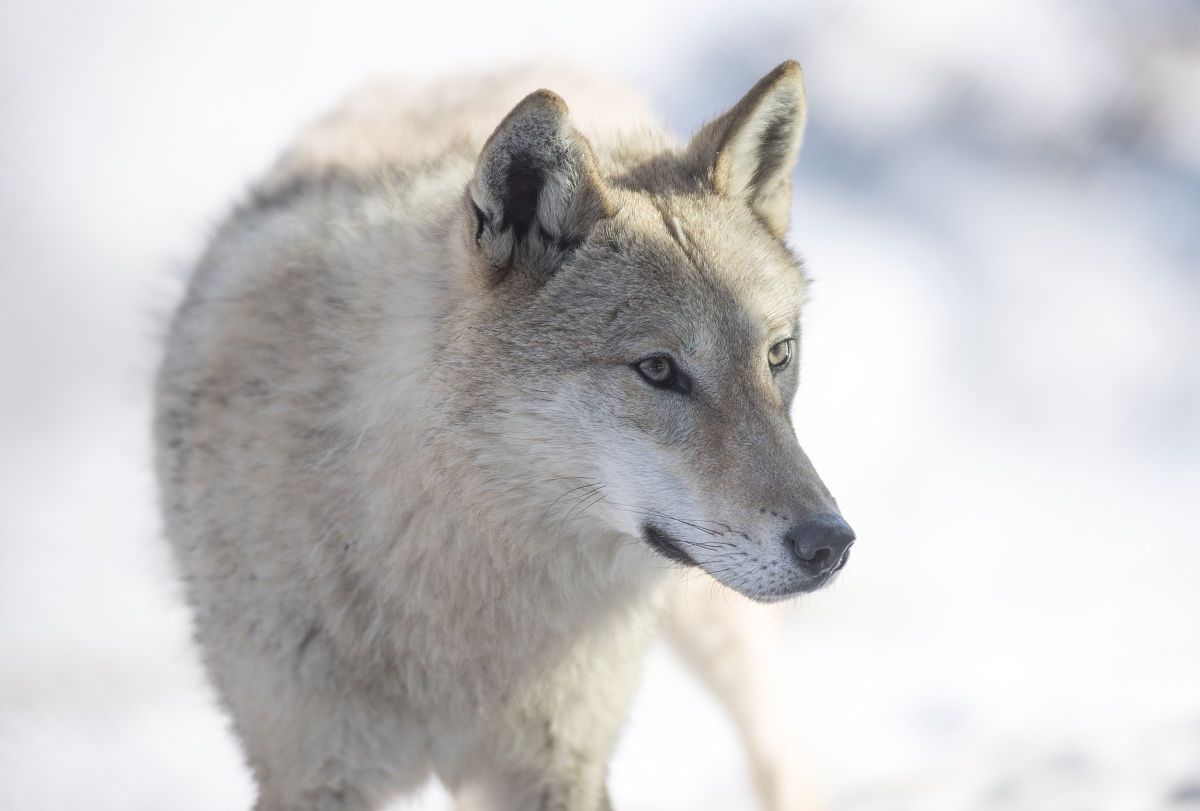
[821,543]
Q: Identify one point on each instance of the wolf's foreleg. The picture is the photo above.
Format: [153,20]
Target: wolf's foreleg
[732,645]
[548,747]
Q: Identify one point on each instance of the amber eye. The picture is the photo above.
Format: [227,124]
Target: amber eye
[779,355]
[656,369]
[659,371]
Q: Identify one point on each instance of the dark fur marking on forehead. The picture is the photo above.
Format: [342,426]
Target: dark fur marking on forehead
[666,172]
[674,228]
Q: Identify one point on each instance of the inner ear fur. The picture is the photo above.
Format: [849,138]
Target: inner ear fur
[536,192]
[749,152]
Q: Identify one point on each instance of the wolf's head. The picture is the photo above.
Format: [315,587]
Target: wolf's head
[638,335]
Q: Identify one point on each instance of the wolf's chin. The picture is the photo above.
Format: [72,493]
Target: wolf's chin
[806,585]
[793,587]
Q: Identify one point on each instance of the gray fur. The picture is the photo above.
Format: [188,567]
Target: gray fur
[407,463]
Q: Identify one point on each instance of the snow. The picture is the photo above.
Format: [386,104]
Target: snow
[1001,379]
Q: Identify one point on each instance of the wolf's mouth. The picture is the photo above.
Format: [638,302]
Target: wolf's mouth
[666,546]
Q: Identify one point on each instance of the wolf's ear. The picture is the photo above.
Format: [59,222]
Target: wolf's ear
[749,152]
[537,191]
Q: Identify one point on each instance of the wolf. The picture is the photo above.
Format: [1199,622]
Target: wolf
[440,413]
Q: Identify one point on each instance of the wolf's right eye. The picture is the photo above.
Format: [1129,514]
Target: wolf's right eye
[779,355]
[659,371]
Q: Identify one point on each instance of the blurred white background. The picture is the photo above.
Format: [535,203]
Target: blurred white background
[1000,204]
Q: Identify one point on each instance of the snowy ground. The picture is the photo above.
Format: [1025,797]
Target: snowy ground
[1000,202]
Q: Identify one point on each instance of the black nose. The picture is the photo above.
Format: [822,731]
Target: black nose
[820,542]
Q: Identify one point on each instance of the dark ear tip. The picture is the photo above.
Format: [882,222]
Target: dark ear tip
[543,103]
[540,114]
[790,68]
[788,72]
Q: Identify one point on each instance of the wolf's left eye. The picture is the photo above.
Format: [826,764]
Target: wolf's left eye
[780,355]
